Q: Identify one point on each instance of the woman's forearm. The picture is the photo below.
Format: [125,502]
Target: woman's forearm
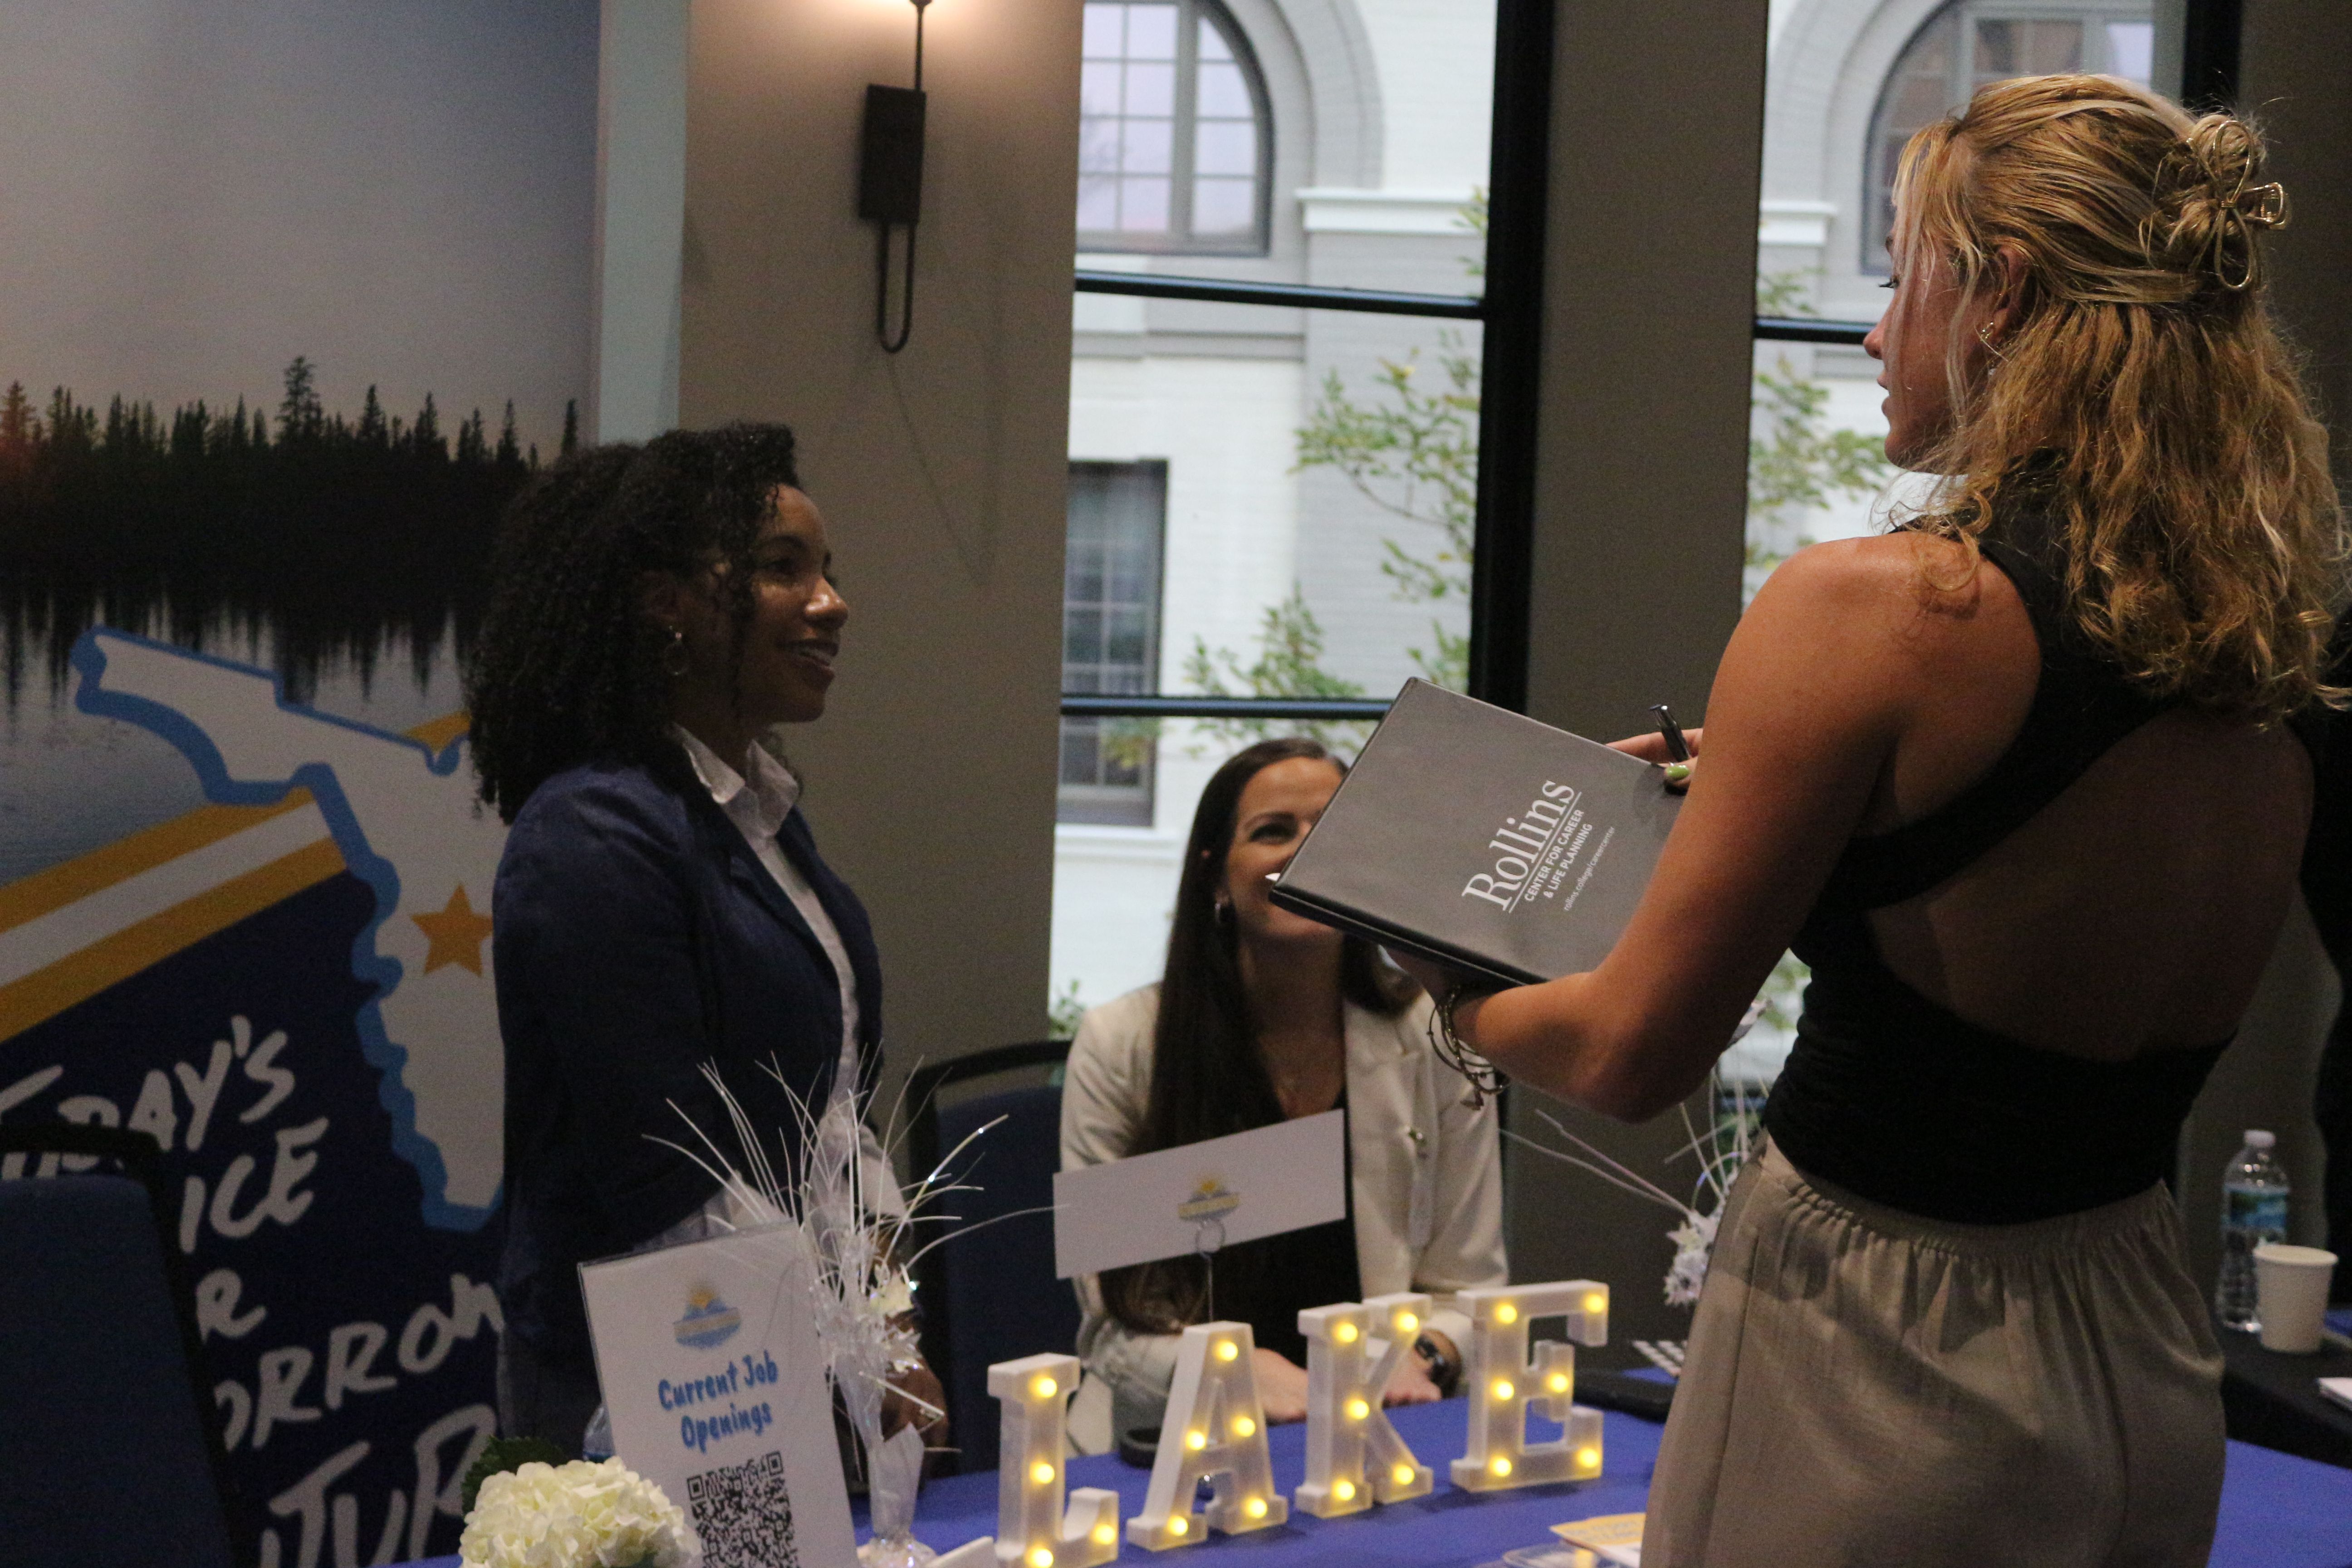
[1565,1038]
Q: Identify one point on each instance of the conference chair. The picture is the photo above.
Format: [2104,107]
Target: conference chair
[109,1455]
[988,1289]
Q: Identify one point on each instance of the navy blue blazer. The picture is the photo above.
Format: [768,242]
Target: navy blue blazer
[636,937]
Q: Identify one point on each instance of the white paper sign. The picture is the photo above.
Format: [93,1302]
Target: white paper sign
[716,1386]
[1202,1195]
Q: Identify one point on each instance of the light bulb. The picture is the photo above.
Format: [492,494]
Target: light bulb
[1358,1409]
[1499,1466]
[1345,1333]
[1244,1426]
[1406,1322]
[1227,1349]
[1106,1535]
[1506,1313]
[1040,1557]
[1344,1490]
[1041,1472]
[1196,1440]
[1557,1383]
[1254,1508]
[1043,1387]
[1404,1475]
[1596,1302]
[1503,1389]
[1178,1525]
[1587,1458]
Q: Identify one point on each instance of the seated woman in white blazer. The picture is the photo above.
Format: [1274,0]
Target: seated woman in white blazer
[1262,1017]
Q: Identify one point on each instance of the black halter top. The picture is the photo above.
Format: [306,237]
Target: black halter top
[1901,1101]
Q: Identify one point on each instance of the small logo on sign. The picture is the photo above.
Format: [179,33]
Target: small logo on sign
[1210,1200]
[709,1322]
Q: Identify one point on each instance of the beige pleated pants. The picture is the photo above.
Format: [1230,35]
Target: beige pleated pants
[1865,1388]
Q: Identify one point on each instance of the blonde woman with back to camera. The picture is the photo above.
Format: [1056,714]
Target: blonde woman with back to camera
[2024,782]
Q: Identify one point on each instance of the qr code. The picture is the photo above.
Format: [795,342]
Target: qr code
[744,1515]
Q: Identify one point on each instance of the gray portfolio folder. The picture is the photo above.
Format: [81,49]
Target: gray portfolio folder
[1484,840]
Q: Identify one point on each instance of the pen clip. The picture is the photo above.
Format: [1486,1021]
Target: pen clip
[1677,748]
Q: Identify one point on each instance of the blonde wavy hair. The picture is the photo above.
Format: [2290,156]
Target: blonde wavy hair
[2143,396]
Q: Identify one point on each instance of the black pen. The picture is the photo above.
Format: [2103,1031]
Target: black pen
[1677,749]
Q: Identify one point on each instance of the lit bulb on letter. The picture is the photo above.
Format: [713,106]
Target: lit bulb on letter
[1404,1475]
[1254,1508]
[1587,1458]
[1358,1409]
[1041,1472]
[1344,1490]
[1596,1302]
[1196,1440]
[1499,1466]
[1506,1313]
[1244,1426]
[1345,1333]
[1227,1349]
[1178,1525]
[1503,1389]
[1106,1535]
[1043,1387]
[1040,1557]
[1406,1322]
[1557,1383]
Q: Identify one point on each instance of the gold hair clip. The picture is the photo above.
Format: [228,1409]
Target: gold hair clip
[2268,208]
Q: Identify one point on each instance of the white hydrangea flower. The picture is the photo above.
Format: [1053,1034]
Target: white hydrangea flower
[579,1515]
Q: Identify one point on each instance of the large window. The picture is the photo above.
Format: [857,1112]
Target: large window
[1282,499]
[1110,636]
[1969,43]
[1173,145]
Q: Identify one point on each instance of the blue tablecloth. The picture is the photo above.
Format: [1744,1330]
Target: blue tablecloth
[2277,1512]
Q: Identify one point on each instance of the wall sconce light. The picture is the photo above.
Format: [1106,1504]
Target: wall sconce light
[890,185]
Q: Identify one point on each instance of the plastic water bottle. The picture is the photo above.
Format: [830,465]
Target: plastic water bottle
[2254,1210]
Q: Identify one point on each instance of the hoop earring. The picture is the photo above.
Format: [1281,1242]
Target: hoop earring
[1984,336]
[674,660]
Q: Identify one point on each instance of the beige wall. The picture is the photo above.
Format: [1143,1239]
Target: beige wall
[930,782]
[1657,130]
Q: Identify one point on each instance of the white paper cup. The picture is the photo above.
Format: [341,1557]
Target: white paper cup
[2291,1294]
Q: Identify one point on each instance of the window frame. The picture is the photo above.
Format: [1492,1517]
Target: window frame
[1098,803]
[1511,309]
[1961,75]
[1179,239]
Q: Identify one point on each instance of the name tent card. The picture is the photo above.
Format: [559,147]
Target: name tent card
[1202,1196]
[1354,1455]
[716,1386]
[1504,1385]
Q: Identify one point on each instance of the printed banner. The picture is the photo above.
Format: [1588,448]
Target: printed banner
[289,324]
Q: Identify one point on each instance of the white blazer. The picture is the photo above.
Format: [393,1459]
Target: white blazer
[1427,1175]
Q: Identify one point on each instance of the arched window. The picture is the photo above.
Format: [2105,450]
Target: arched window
[1174,141]
[1969,43]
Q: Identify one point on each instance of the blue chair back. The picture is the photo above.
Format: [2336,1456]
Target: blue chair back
[989,1291]
[105,1454]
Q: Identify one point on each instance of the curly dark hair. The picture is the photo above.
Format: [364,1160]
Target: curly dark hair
[567,669]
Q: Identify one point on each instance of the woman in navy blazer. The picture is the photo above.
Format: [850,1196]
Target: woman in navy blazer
[660,904]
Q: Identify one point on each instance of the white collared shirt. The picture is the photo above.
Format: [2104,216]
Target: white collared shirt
[757,801]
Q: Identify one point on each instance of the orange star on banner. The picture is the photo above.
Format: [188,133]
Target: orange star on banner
[456,934]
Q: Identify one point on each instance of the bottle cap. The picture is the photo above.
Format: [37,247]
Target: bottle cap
[2258,1139]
